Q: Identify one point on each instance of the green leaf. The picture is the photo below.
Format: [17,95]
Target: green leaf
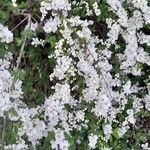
[13,112]
[115,133]
[51,40]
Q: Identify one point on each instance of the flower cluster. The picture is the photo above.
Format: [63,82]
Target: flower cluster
[5,34]
[99,82]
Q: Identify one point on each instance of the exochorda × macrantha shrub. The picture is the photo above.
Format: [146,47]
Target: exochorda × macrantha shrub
[100,85]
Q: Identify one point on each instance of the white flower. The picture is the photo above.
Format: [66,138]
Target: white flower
[92,141]
[33,26]
[60,143]
[127,87]
[147,101]
[56,6]
[5,34]
[130,116]
[145,146]
[80,115]
[113,34]
[96,10]
[36,42]
[139,3]
[19,146]
[123,130]
[14,3]
[102,106]
[107,130]
[52,25]
[64,65]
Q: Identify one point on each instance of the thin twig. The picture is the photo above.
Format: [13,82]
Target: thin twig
[24,42]
[19,24]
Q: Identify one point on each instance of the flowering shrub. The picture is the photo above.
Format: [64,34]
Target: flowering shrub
[74,75]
